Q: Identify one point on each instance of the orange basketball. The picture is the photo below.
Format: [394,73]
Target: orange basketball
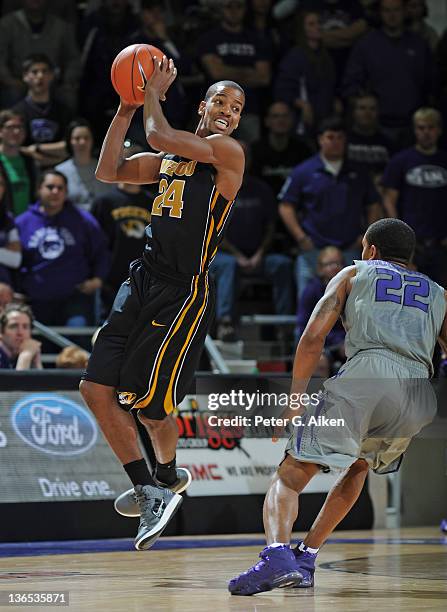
[131,68]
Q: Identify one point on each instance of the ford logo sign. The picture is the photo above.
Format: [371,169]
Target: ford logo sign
[54,425]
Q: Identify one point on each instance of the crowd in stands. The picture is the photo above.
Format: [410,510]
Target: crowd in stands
[345,101]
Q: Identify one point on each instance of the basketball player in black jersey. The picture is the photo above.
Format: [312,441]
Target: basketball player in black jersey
[146,353]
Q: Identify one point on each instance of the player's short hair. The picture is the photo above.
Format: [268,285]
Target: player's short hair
[394,239]
[331,124]
[15,307]
[48,171]
[428,114]
[212,89]
[36,58]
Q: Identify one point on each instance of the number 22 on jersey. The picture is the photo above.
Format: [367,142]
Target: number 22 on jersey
[407,289]
[170,196]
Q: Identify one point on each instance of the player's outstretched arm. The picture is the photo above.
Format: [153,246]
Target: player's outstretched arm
[140,169]
[322,320]
[217,149]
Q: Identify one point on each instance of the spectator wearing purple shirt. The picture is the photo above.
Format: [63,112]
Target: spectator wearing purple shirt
[330,262]
[306,75]
[327,200]
[65,258]
[244,250]
[230,51]
[397,65]
[415,183]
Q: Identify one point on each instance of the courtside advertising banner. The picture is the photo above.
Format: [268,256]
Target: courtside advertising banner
[51,449]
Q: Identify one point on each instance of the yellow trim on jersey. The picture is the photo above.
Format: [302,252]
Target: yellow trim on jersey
[168,403]
[222,219]
[210,233]
[213,203]
[150,393]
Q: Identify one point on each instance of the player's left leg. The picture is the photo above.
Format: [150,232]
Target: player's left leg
[278,567]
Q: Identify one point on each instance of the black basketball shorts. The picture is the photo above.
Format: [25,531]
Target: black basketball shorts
[150,345]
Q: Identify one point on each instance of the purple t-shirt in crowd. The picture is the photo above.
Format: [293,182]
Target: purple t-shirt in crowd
[331,209]
[60,251]
[255,208]
[400,71]
[421,181]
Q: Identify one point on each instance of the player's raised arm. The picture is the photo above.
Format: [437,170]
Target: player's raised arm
[112,167]
[210,144]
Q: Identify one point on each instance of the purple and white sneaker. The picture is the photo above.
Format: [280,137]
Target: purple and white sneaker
[443,526]
[276,569]
[305,564]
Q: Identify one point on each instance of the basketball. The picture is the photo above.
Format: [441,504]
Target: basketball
[131,68]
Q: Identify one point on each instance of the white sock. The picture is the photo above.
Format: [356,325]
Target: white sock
[303,548]
[276,544]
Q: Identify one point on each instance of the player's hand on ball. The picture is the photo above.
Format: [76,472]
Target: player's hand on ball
[125,108]
[162,77]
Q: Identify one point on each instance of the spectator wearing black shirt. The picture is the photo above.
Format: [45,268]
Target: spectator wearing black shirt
[123,215]
[367,144]
[279,150]
[46,118]
[259,17]
[233,52]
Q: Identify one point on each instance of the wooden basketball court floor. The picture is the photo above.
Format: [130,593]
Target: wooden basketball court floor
[388,570]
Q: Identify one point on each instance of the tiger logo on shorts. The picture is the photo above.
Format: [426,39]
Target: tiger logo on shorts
[125,397]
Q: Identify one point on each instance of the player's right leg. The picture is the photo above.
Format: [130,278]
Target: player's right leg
[118,426]
[338,503]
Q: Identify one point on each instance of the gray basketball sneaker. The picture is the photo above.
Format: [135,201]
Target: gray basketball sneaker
[157,507]
[126,503]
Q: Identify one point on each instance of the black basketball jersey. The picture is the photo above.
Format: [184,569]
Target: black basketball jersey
[189,216]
